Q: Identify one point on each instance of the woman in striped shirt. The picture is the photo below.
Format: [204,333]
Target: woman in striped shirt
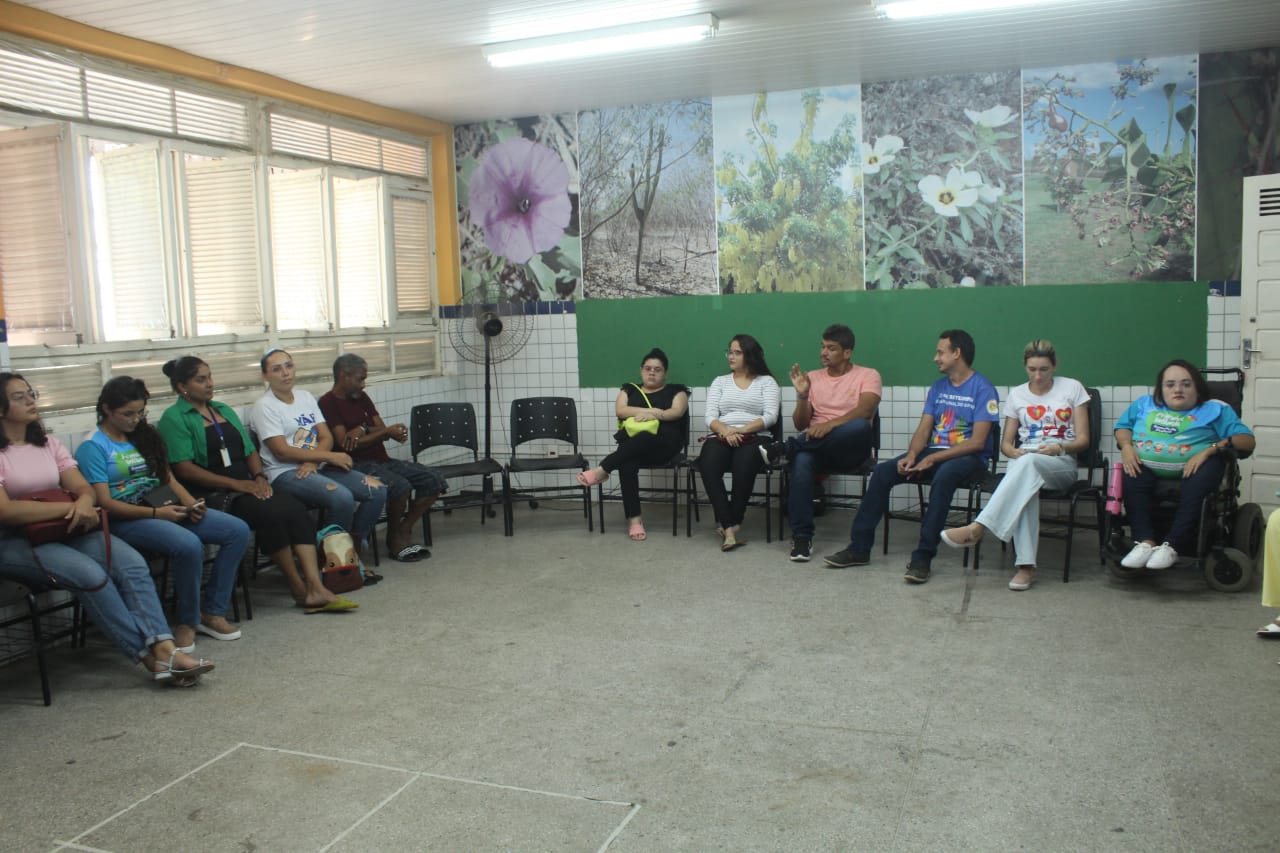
[740,405]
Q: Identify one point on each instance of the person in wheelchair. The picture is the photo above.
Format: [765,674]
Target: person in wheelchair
[1178,431]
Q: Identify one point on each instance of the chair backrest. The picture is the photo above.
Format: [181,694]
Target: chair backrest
[1092,457]
[544,417]
[1229,389]
[443,425]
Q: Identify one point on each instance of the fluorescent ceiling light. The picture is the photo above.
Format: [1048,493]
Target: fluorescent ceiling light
[923,8]
[689,28]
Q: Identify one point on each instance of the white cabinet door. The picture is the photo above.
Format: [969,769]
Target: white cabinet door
[1260,336]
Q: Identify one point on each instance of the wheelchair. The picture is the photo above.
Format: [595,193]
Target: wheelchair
[1229,543]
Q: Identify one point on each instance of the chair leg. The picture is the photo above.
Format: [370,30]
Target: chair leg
[600,504]
[37,639]
[508,519]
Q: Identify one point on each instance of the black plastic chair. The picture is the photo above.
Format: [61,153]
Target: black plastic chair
[454,425]
[675,464]
[534,418]
[35,597]
[1090,487]
[766,498]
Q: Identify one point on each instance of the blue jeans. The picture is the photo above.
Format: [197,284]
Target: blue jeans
[403,477]
[843,448]
[127,609]
[947,477]
[184,545]
[345,496]
[1184,531]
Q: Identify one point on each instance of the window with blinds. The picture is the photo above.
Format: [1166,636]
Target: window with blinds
[128,229]
[34,262]
[142,218]
[222,243]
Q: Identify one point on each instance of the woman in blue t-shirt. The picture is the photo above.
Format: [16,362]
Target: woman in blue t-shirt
[124,461]
[1177,432]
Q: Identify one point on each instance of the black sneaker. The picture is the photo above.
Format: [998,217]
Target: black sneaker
[773,451]
[846,558]
[917,573]
[801,549]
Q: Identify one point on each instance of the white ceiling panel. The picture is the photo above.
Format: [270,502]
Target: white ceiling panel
[424,57]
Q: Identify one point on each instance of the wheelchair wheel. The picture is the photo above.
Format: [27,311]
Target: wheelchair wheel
[1228,570]
[1246,531]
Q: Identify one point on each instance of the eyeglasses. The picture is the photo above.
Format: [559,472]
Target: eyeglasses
[20,396]
[282,366]
[657,369]
[730,353]
[131,416]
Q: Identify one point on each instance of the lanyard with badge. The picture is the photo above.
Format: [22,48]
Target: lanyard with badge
[222,439]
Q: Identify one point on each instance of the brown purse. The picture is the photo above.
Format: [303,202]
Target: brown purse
[55,530]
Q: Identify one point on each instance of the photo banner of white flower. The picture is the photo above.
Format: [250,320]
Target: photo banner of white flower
[518,209]
[1111,171]
[788,183]
[942,182]
[648,200]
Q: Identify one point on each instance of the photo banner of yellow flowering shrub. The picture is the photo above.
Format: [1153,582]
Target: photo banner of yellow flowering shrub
[942,182]
[518,209]
[789,217]
[1111,171]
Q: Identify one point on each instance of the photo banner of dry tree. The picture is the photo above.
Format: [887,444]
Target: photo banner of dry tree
[648,204]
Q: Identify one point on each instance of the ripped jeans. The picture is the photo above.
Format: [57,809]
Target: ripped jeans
[345,496]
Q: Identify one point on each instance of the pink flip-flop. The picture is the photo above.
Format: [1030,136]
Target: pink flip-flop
[636,531]
[589,478]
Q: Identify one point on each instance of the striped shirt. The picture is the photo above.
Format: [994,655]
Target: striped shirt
[737,407]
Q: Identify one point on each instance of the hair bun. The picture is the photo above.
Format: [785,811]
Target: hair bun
[170,367]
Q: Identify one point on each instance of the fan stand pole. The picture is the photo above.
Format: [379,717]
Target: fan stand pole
[486,488]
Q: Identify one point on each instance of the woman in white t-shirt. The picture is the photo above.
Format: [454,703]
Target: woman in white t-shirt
[1046,424]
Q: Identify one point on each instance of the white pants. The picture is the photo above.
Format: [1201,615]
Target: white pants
[1271,562]
[1014,509]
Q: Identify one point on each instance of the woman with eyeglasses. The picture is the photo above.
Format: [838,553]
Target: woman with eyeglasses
[740,404]
[658,409]
[1046,423]
[120,598]
[210,449]
[1177,432]
[297,449]
[149,508]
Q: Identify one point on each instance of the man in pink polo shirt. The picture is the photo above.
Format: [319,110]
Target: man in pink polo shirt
[834,409]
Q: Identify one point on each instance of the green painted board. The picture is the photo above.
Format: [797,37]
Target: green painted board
[1105,334]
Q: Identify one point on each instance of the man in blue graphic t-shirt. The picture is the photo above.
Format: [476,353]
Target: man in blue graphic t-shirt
[953,443]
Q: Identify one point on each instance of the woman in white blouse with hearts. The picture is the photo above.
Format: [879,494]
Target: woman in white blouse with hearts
[1046,424]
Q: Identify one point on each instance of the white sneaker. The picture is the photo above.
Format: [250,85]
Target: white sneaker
[1137,558]
[1162,557]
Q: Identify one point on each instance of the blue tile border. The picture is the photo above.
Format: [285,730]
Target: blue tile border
[1224,288]
[4,331]
[507,309]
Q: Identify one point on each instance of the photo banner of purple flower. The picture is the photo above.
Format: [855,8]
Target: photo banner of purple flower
[520,197]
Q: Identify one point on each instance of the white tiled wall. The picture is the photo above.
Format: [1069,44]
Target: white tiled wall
[548,366]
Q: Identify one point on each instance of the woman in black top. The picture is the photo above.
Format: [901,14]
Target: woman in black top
[652,400]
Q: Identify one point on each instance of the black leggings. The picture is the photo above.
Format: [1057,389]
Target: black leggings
[634,453]
[278,522]
[744,462]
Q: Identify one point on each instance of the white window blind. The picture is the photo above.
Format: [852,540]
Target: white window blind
[298,249]
[129,253]
[411,249]
[132,103]
[34,264]
[222,227]
[405,159]
[416,356]
[358,226]
[206,117]
[376,353]
[35,83]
